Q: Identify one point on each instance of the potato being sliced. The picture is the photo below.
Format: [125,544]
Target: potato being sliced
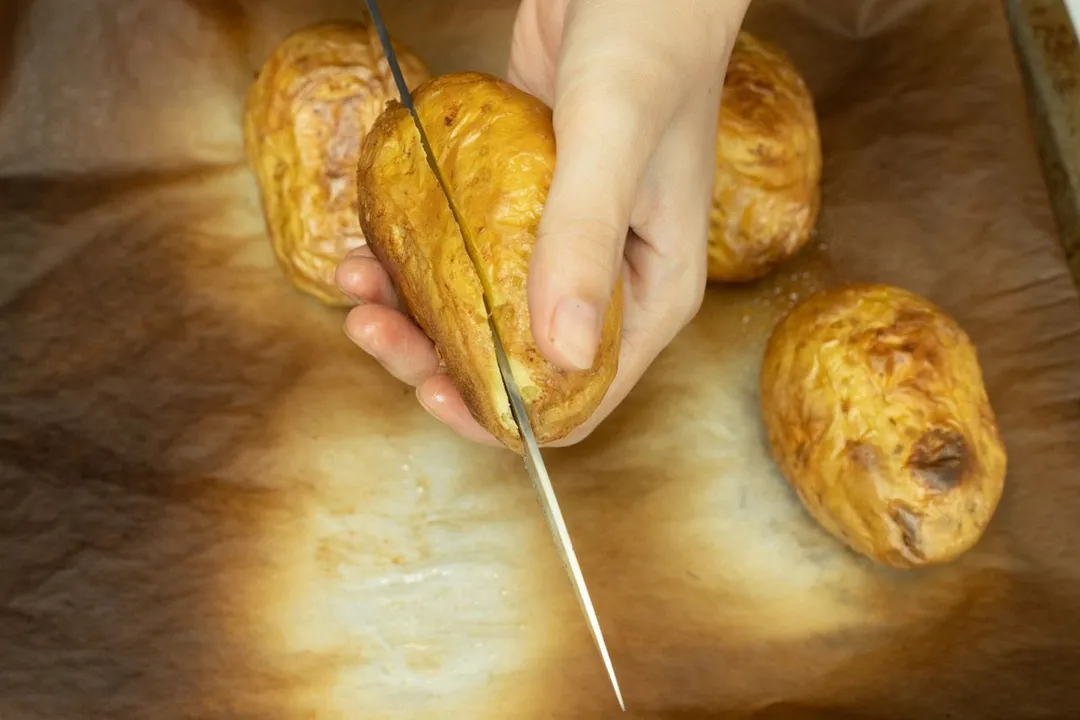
[495,147]
[876,413]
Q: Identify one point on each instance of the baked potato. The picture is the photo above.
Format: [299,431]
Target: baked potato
[305,116]
[876,413]
[768,165]
[495,149]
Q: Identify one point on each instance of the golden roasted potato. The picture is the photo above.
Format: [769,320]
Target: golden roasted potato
[495,148]
[876,413]
[306,115]
[768,165]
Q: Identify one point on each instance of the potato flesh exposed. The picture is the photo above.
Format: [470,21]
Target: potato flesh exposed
[495,149]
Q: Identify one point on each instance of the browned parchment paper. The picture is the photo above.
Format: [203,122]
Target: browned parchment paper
[214,507]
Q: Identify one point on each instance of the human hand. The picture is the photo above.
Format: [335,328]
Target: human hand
[635,87]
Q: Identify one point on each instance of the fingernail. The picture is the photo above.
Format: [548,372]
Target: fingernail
[349,280]
[575,331]
[364,339]
[423,404]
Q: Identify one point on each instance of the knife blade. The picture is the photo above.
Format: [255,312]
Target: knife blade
[534,461]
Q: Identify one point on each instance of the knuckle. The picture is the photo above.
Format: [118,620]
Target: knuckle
[596,94]
[694,303]
[688,281]
[692,298]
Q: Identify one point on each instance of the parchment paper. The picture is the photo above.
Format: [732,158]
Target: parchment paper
[214,506]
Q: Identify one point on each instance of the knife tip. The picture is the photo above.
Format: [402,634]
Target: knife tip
[615,687]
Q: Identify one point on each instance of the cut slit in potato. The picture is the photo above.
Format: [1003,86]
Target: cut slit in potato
[495,150]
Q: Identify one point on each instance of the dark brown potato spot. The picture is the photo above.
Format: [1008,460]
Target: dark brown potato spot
[908,522]
[940,458]
[863,455]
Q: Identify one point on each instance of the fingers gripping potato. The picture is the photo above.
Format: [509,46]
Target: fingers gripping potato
[495,148]
[768,165]
[305,117]
[876,413]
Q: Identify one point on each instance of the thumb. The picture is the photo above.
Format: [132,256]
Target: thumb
[605,132]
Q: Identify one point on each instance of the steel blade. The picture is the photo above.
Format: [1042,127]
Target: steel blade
[534,462]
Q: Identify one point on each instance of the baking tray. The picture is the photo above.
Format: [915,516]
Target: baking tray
[213,506]
[1049,59]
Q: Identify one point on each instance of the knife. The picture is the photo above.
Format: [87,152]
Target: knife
[534,462]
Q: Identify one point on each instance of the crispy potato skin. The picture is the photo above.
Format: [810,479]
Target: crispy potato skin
[768,165]
[305,117]
[876,413]
[495,147]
